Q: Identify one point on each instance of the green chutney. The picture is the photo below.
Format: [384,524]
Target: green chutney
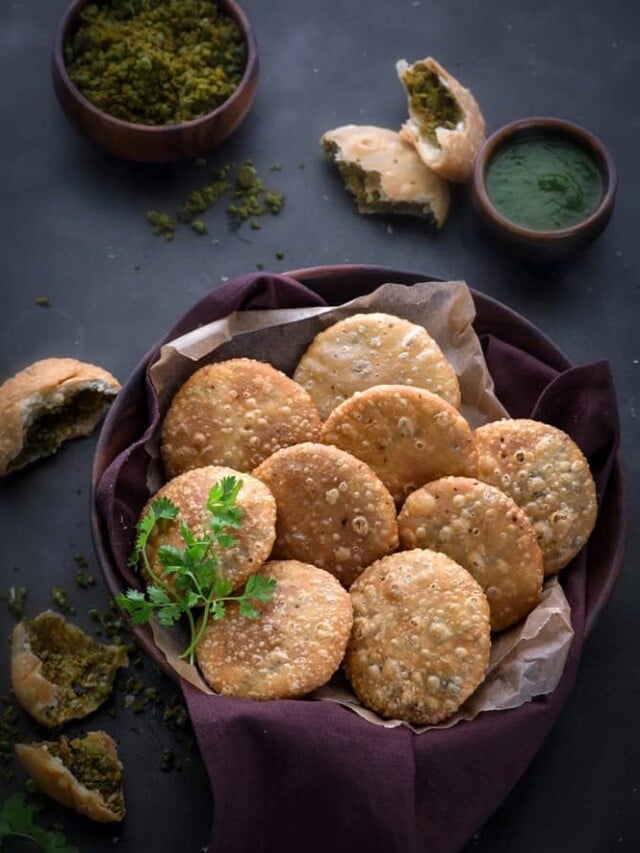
[545,183]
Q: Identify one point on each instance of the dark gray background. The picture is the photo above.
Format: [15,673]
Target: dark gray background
[72,228]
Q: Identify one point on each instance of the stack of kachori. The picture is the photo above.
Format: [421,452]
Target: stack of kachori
[399,538]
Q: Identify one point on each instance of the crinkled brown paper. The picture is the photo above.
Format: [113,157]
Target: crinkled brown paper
[527,660]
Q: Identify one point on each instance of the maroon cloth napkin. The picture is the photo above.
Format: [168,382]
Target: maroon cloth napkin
[313,776]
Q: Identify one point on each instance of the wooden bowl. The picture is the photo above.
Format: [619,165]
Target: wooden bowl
[154,143]
[544,246]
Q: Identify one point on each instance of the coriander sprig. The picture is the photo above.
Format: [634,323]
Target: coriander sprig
[190,578]
[17,819]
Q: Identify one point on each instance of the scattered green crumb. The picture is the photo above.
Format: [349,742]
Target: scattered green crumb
[273,202]
[162,224]
[200,200]
[15,598]
[275,167]
[249,197]
[60,598]
[198,226]
[43,301]
[200,162]
[81,561]
[168,760]
[279,254]
[109,624]
[249,200]
[259,266]
[176,717]
[84,580]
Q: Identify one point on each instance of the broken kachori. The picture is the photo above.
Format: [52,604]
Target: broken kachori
[295,645]
[445,123]
[385,174]
[59,673]
[421,637]
[333,511]
[48,403]
[373,349]
[235,413]
[84,774]
[548,476]
[486,532]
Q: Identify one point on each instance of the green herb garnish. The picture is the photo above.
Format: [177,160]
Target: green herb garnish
[17,820]
[190,579]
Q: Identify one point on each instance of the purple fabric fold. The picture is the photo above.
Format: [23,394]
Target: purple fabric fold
[313,776]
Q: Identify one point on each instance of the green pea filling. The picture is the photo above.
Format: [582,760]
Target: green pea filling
[156,63]
[83,670]
[58,423]
[430,102]
[89,762]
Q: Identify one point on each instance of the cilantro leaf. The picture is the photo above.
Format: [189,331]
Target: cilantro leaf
[247,609]
[189,579]
[134,603]
[162,508]
[17,818]
[260,588]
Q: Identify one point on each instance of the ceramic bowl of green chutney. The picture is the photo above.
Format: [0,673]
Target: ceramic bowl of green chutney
[155,82]
[544,188]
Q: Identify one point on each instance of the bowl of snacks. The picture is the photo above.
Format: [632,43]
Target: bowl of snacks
[544,187]
[155,82]
[337,476]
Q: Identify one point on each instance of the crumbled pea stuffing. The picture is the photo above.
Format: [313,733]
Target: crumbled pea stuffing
[430,101]
[156,62]
[60,598]
[198,226]
[250,199]
[43,301]
[161,224]
[83,670]
[84,580]
[93,767]
[9,735]
[202,199]
[168,760]
[15,598]
[176,717]
[47,432]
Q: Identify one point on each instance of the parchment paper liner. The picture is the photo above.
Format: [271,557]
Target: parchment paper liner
[527,660]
